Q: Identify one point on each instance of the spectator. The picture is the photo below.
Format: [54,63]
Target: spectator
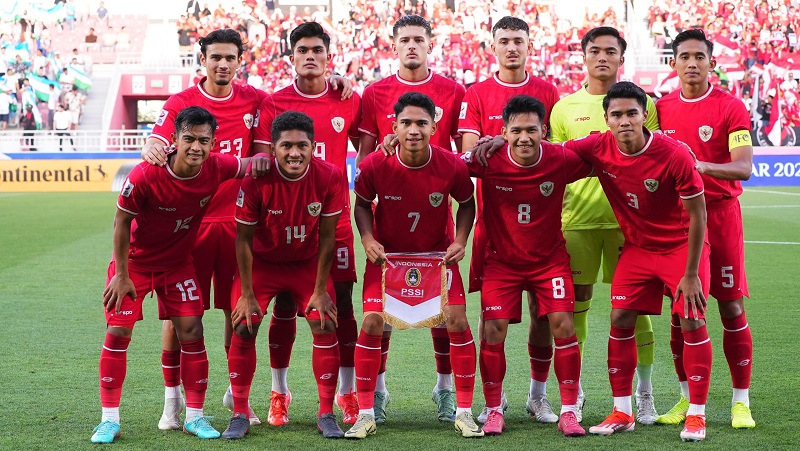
[193,9]
[102,13]
[198,76]
[123,39]
[90,38]
[5,107]
[75,101]
[19,65]
[67,80]
[109,40]
[62,123]
[3,62]
[52,101]
[28,123]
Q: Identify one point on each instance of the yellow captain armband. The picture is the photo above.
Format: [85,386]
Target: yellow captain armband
[738,139]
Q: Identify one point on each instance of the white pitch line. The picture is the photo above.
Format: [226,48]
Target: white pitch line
[770,206]
[766,191]
[771,242]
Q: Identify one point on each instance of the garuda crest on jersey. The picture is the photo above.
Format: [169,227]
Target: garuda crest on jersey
[439,113]
[314,208]
[651,185]
[436,199]
[338,124]
[546,188]
[248,120]
[705,132]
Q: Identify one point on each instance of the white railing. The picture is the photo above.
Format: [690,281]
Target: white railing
[137,61]
[12,141]
[651,59]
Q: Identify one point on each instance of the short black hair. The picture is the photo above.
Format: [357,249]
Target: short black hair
[412,20]
[222,36]
[309,30]
[292,120]
[415,99]
[694,34]
[595,33]
[511,23]
[193,116]
[625,90]
[523,104]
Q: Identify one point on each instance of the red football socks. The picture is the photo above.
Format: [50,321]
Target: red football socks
[462,359]
[568,368]
[621,360]
[737,342]
[241,366]
[697,363]
[325,364]
[194,372]
[368,361]
[113,366]
[493,371]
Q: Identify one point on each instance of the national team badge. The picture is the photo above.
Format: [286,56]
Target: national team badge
[314,208]
[338,124]
[436,199]
[546,188]
[204,201]
[127,189]
[439,113]
[651,185]
[462,114]
[413,277]
[162,117]
[705,133]
[240,199]
[248,120]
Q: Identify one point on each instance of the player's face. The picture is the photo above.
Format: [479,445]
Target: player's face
[511,47]
[414,127]
[310,58]
[412,46]
[192,147]
[693,63]
[524,135]
[293,152]
[625,118]
[221,62]
[603,57]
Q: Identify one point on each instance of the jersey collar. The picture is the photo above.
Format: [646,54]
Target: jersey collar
[644,149]
[308,168]
[511,85]
[209,96]
[309,96]
[430,157]
[177,177]
[697,99]
[414,83]
[511,158]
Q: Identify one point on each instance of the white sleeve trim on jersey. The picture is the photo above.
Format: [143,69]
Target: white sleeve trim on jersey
[465,200]
[367,132]
[332,214]
[469,130]
[245,222]
[164,140]
[126,210]
[258,141]
[362,197]
[693,195]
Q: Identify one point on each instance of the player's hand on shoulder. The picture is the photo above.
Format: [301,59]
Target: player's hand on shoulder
[374,250]
[246,307]
[118,287]
[155,153]
[338,82]
[694,302]
[322,303]
[259,165]
[455,253]
[485,147]
[389,145]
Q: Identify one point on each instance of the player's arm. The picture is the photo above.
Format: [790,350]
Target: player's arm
[739,168]
[364,220]
[321,301]
[337,81]
[468,141]
[247,305]
[690,285]
[366,145]
[464,220]
[121,284]
[258,165]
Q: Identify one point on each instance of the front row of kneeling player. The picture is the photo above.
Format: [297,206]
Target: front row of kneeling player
[287,216]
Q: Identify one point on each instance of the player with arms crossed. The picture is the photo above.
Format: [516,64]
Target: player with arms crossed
[158,216]
[284,242]
[590,228]
[335,123]
[412,44]
[716,126]
[481,115]
[647,177]
[412,216]
[523,187]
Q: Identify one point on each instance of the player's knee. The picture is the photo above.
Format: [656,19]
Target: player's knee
[731,309]
[583,292]
[457,322]
[494,331]
[241,330]
[372,324]
[118,331]
[688,324]
[190,329]
[561,324]
[624,319]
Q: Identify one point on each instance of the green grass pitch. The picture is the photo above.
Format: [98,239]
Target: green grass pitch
[54,250]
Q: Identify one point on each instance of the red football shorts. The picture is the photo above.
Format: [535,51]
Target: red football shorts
[215,258]
[176,289]
[504,284]
[643,277]
[372,294]
[343,268]
[296,278]
[726,237]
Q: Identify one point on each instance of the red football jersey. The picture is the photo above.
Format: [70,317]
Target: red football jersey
[235,115]
[482,110]
[169,208]
[522,204]
[335,120]
[705,124]
[645,188]
[379,99]
[412,213]
[287,211]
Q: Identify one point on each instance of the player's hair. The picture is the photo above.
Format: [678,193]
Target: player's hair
[192,117]
[415,99]
[595,33]
[412,20]
[523,104]
[625,90]
[292,120]
[512,24]
[309,30]
[222,36]
[691,35]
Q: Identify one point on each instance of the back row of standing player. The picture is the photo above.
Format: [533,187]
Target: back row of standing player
[724,154]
